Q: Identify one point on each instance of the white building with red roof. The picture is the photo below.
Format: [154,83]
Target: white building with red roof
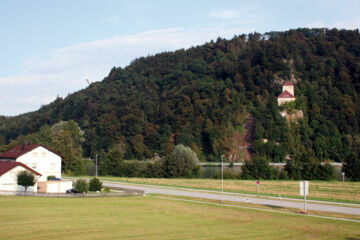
[8,176]
[288,93]
[36,157]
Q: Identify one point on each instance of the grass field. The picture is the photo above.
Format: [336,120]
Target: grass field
[318,190]
[155,218]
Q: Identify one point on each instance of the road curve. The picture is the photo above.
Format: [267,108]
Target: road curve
[233,198]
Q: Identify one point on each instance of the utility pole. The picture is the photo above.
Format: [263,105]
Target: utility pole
[96,165]
[222,179]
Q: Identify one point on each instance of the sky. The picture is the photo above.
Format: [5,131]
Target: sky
[49,48]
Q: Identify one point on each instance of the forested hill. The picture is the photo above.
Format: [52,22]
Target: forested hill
[203,97]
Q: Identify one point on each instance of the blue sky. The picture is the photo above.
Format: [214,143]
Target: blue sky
[49,48]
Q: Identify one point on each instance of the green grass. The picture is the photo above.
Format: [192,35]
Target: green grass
[155,218]
[348,192]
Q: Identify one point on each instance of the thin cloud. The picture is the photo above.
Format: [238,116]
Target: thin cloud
[351,24]
[63,71]
[224,14]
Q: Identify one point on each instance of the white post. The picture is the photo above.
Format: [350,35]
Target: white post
[222,179]
[343,175]
[304,190]
[304,197]
[96,167]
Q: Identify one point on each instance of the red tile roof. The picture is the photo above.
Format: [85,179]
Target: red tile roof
[7,166]
[20,150]
[288,83]
[286,94]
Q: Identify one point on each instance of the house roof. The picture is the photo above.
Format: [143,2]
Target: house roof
[7,166]
[288,83]
[20,150]
[286,94]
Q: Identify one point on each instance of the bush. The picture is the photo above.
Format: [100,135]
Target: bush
[81,185]
[352,166]
[258,168]
[155,170]
[309,169]
[51,177]
[183,162]
[226,175]
[95,184]
[107,189]
[326,172]
[25,179]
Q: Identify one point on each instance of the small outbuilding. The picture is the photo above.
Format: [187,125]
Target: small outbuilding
[288,93]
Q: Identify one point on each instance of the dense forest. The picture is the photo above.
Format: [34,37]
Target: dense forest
[204,97]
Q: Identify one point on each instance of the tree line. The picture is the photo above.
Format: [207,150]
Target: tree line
[201,98]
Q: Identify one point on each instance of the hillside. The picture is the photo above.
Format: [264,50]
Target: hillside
[203,96]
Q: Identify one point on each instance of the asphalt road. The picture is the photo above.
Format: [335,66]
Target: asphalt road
[234,198]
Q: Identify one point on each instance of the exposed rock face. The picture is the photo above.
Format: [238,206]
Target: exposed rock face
[292,116]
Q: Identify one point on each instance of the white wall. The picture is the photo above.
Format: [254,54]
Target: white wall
[58,186]
[290,89]
[284,100]
[43,161]
[8,181]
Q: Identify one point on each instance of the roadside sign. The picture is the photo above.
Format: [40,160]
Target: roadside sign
[304,191]
[304,187]
[258,182]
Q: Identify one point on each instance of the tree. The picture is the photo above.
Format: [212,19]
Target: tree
[111,162]
[352,166]
[95,184]
[183,162]
[68,142]
[25,179]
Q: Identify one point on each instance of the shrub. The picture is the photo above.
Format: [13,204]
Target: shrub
[283,175]
[309,169]
[51,177]
[258,168]
[325,172]
[95,184]
[226,175]
[107,189]
[25,179]
[81,185]
[183,162]
[352,166]
[155,170]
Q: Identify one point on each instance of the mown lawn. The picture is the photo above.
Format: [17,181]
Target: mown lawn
[322,190]
[155,218]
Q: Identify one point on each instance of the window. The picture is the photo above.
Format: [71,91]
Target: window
[52,165]
[34,165]
[35,154]
[43,154]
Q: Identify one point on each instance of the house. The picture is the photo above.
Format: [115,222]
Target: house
[8,176]
[40,160]
[37,157]
[288,93]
